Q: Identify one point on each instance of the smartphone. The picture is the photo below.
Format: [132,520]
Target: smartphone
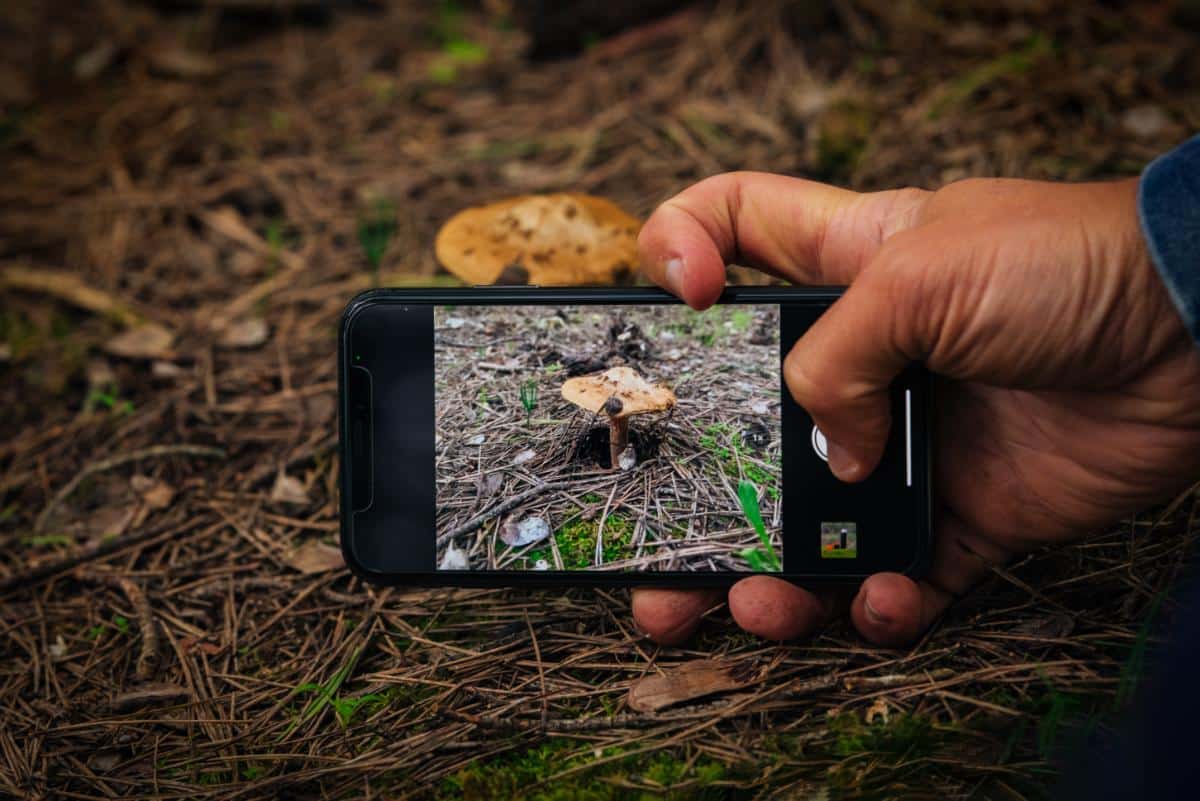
[606,436]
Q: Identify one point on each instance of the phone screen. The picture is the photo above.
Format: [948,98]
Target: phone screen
[555,438]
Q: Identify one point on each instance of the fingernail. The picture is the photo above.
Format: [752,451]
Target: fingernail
[674,274]
[872,614]
[842,462]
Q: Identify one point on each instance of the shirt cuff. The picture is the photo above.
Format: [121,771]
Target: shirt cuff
[1169,213]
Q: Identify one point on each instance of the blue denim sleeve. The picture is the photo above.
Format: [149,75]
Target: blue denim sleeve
[1169,211]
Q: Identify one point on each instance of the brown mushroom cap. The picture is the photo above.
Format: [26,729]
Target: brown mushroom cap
[559,240]
[637,395]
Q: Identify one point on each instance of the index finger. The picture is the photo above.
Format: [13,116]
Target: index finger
[804,231]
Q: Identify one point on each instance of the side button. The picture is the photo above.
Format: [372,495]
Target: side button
[819,444]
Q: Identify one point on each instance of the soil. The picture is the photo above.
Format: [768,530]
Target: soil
[189,194]
[674,506]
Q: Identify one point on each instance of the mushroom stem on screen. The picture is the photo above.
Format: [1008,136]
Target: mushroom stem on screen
[618,430]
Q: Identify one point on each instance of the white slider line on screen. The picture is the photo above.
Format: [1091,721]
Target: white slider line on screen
[908,437]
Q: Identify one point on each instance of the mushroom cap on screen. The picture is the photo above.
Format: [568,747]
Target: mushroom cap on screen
[637,395]
[559,240]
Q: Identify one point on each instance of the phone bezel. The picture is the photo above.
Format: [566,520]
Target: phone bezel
[518,295]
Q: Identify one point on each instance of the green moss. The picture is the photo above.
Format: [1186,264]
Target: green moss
[875,759]
[576,540]
[908,736]
[211,778]
[517,775]
[726,446]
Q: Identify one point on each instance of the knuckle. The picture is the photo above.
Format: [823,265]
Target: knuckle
[818,393]
[908,276]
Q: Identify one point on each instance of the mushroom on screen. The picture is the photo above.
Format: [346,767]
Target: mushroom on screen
[549,240]
[620,393]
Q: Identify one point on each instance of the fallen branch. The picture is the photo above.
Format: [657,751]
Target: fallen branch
[147,659]
[712,710]
[500,508]
[93,550]
[149,695]
[71,289]
[116,461]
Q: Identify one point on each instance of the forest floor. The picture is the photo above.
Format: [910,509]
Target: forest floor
[505,429]
[190,193]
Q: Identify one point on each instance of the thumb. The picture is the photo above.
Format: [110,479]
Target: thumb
[803,231]
[841,369]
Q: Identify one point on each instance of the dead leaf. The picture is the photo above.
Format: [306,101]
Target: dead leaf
[194,644]
[145,341]
[155,493]
[687,682]
[173,60]
[93,61]
[161,369]
[103,761]
[524,456]
[315,556]
[110,521]
[244,334]
[247,264]
[527,532]
[879,709]
[489,485]
[1051,627]
[289,490]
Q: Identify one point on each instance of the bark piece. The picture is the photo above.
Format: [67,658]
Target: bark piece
[687,682]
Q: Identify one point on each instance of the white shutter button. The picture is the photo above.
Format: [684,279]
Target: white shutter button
[819,444]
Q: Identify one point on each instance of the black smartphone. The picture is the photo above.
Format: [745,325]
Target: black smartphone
[525,436]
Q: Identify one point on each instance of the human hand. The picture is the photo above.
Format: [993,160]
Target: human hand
[1071,393]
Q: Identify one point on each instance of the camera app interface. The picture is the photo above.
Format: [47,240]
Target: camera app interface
[621,438]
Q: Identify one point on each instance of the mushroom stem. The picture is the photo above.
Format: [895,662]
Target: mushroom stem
[618,438]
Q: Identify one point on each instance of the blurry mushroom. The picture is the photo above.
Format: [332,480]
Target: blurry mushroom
[454,559]
[550,240]
[628,458]
[620,393]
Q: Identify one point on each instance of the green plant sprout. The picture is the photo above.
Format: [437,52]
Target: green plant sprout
[375,230]
[110,401]
[529,398]
[764,558]
[456,49]
[325,693]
